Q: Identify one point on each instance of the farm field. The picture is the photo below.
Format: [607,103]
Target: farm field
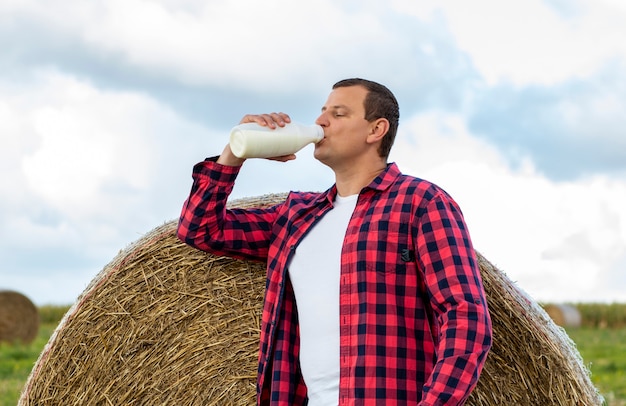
[16,361]
[603,351]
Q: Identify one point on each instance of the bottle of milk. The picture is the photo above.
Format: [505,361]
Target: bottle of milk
[251,140]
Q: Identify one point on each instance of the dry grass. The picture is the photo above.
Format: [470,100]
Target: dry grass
[532,360]
[166,324]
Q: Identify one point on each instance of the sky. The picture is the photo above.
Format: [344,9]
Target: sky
[517,109]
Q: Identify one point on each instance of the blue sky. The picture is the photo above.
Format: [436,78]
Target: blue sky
[518,109]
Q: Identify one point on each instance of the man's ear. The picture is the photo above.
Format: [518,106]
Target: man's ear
[378,129]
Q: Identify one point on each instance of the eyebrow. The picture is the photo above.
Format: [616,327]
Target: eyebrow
[336,107]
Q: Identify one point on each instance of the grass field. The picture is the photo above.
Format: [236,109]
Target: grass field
[603,351]
[16,361]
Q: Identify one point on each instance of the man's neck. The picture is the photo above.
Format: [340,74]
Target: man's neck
[351,181]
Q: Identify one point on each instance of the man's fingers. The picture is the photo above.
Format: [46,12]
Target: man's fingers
[271,120]
[283,158]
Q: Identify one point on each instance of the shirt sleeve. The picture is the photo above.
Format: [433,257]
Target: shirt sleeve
[206,224]
[461,322]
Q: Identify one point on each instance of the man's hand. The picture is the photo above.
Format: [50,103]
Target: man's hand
[272,121]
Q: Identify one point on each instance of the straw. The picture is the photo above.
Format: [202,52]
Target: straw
[166,324]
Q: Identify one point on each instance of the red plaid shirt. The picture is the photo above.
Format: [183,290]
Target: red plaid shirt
[414,325]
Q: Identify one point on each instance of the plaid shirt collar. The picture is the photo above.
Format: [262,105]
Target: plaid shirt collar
[380,183]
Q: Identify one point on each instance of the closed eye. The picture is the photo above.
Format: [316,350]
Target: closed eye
[337,111]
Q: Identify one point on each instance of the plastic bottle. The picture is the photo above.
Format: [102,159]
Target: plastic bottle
[251,140]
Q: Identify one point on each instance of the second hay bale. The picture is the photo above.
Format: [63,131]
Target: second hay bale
[564,315]
[166,324]
[19,318]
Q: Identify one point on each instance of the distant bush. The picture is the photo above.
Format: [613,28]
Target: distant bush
[52,314]
[602,315]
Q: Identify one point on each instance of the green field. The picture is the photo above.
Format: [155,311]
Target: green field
[16,361]
[603,351]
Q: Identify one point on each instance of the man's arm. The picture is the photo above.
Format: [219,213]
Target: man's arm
[458,302]
[206,224]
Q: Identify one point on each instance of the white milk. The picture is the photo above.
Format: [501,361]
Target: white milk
[251,140]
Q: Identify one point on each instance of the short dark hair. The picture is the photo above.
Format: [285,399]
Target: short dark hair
[379,103]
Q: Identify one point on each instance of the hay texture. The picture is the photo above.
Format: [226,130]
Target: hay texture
[532,361]
[166,324]
[19,318]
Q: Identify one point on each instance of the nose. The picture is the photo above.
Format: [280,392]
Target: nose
[322,120]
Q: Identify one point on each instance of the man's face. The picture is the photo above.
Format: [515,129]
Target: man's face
[345,126]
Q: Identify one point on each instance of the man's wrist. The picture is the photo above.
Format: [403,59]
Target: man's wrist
[229,159]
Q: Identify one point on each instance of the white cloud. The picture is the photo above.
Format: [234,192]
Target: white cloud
[530,42]
[88,138]
[276,47]
[559,240]
[266,45]
[16,140]
[86,171]
[247,44]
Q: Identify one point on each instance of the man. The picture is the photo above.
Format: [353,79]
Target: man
[373,291]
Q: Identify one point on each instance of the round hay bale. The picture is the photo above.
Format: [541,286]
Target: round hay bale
[19,318]
[532,360]
[164,323]
[564,315]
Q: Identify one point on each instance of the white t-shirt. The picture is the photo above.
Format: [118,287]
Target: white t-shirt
[315,272]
